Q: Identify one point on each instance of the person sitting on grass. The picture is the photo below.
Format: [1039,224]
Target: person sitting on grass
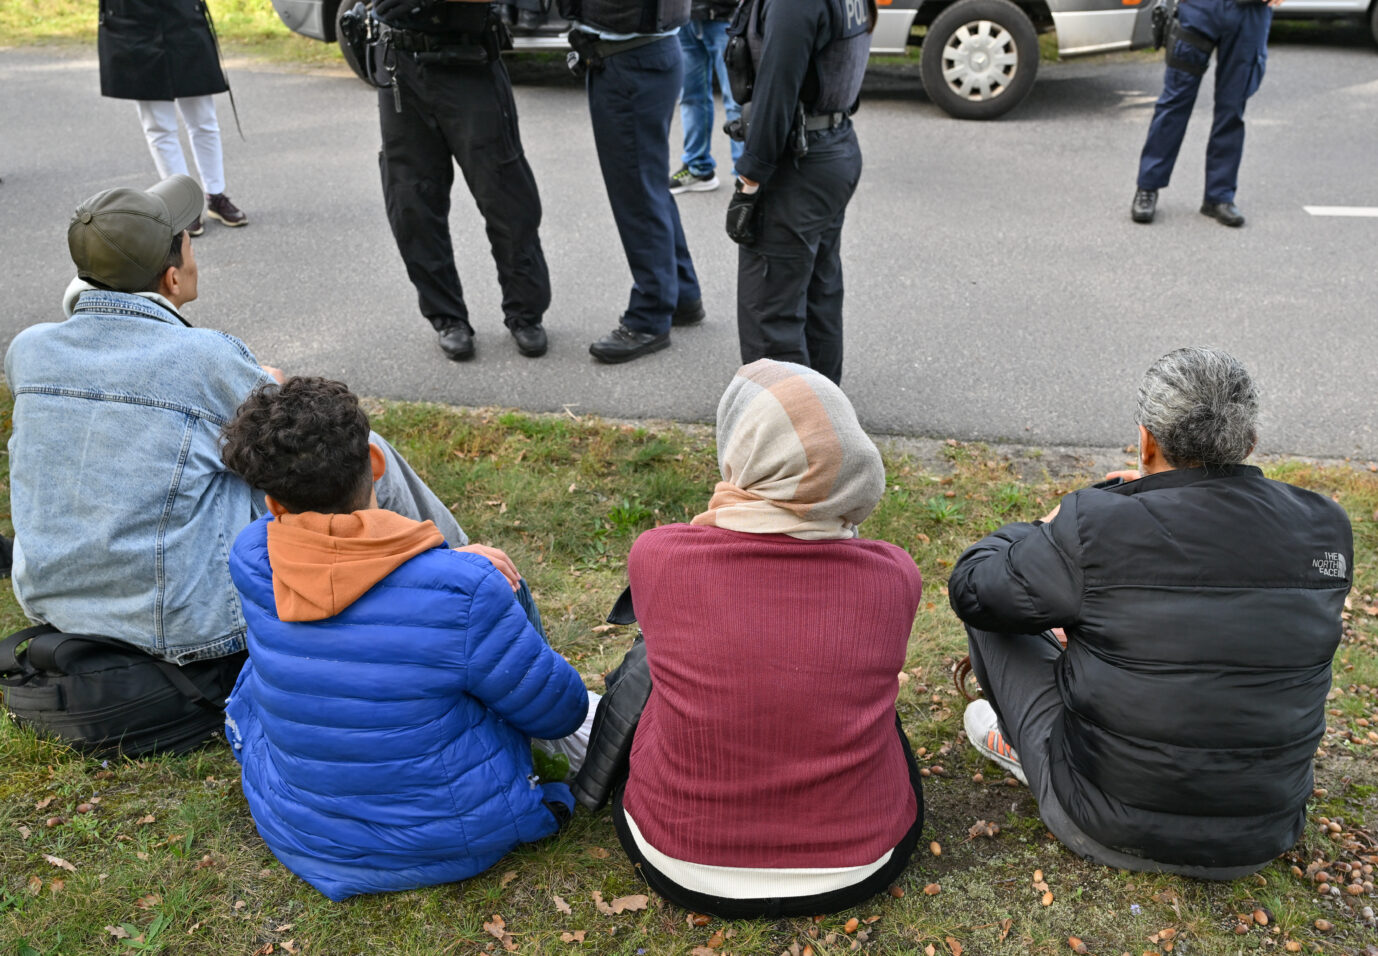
[769,775]
[1201,607]
[384,718]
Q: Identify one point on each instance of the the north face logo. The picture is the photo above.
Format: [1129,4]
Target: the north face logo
[1332,564]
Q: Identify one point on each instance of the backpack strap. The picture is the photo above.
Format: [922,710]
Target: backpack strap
[46,641]
[9,652]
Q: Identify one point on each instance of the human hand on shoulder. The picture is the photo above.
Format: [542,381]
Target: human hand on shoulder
[1129,474]
[499,560]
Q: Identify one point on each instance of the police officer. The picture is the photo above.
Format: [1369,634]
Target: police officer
[1237,30]
[630,54]
[797,173]
[450,98]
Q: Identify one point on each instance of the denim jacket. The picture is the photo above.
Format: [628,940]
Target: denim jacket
[123,511]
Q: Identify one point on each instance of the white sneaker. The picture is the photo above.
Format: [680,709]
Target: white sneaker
[685,181]
[983,730]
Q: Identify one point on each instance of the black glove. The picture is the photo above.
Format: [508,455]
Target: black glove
[386,9]
[741,216]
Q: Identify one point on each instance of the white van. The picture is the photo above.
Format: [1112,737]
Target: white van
[979,57]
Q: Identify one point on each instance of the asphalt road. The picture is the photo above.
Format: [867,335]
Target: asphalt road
[997,288]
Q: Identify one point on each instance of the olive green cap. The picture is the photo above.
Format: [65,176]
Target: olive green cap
[120,238]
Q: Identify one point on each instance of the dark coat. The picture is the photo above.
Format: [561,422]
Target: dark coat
[1202,612]
[157,50]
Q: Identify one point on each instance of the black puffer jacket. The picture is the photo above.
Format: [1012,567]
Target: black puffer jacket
[157,50]
[1202,612]
[712,9]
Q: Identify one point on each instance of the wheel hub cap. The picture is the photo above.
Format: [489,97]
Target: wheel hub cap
[980,60]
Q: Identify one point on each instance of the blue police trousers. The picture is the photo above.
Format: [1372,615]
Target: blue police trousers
[631,102]
[1240,32]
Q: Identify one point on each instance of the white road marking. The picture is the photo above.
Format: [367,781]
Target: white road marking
[1365,212]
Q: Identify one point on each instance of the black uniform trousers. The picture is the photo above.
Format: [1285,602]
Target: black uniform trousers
[464,113]
[789,282]
[631,101]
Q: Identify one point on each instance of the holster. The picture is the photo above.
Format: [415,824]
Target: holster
[628,687]
[1180,34]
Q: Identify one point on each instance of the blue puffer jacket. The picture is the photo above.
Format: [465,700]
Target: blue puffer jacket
[387,747]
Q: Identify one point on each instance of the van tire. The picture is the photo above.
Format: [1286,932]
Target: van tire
[959,65]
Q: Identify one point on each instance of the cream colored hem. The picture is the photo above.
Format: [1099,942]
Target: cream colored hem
[752,883]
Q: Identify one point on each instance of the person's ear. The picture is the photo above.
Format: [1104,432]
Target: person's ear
[169,283]
[377,461]
[274,506]
[1150,455]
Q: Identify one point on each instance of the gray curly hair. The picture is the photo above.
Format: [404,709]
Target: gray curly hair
[1201,406]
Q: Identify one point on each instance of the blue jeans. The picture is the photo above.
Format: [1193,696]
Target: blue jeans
[703,42]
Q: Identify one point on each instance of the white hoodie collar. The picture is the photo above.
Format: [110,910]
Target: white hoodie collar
[79,285]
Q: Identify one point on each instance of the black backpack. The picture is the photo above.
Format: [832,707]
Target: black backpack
[102,695]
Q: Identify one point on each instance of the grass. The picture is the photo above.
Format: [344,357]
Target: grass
[167,859]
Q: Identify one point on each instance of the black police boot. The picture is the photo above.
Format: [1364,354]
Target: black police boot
[1225,213]
[688,313]
[623,345]
[1145,205]
[531,340]
[457,342]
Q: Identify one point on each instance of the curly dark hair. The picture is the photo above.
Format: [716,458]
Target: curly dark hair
[305,442]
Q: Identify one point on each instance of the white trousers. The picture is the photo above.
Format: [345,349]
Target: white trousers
[159,119]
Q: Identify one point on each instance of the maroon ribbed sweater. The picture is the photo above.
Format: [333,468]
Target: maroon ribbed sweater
[769,738]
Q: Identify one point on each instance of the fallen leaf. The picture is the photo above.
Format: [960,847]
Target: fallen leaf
[284,928]
[702,951]
[25,833]
[497,928]
[631,903]
[604,628]
[60,862]
[953,945]
[1005,925]
[290,947]
[119,932]
[929,950]
[983,828]
[144,820]
[265,950]
[148,902]
[43,804]
[141,854]
[507,877]
[598,853]
[35,885]
[239,904]
[195,927]
[575,937]
[562,906]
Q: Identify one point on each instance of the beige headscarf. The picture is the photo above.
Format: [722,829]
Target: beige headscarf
[793,457]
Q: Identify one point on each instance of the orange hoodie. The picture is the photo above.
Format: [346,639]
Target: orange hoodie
[324,563]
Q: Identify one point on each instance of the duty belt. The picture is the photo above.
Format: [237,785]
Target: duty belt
[813,122]
[417,41]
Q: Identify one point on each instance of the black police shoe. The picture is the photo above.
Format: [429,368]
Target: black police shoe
[1145,205]
[688,313]
[531,340]
[1225,213]
[623,345]
[457,342]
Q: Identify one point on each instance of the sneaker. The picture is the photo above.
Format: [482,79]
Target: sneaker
[196,228]
[219,207]
[686,181]
[983,730]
